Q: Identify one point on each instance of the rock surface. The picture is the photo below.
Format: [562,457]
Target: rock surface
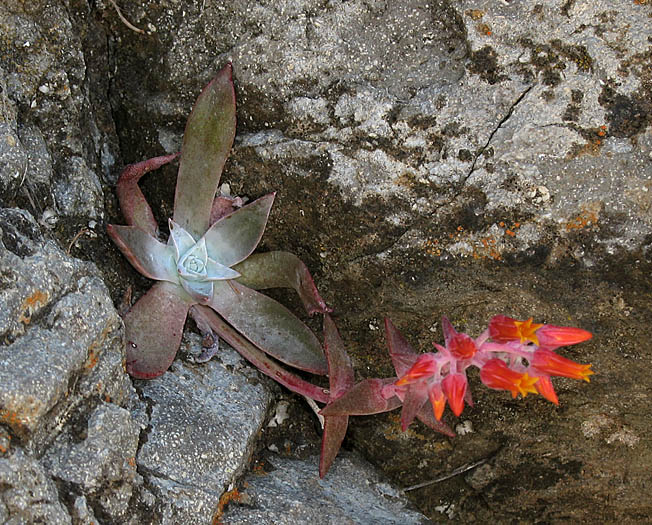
[293,493]
[431,157]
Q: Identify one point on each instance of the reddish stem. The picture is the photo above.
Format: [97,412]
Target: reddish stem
[258,358]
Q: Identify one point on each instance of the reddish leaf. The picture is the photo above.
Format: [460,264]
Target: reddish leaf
[427,417]
[340,370]
[153,329]
[334,432]
[206,143]
[132,201]
[268,325]
[281,270]
[341,378]
[363,399]
[256,357]
[402,354]
[415,398]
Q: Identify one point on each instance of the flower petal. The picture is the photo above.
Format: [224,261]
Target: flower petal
[150,257]
[234,237]
[553,364]
[153,329]
[132,201]
[424,366]
[552,337]
[454,387]
[281,270]
[497,375]
[206,143]
[269,325]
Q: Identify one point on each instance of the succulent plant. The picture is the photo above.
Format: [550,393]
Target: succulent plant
[518,356]
[207,268]
[206,262]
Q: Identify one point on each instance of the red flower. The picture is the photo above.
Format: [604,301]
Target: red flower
[497,375]
[503,329]
[545,388]
[454,386]
[461,346]
[424,366]
[552,337]
[553,364]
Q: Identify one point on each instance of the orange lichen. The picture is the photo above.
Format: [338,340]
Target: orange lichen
[225,499]
[30,305]
[259,469]
[5,444]
[584,219]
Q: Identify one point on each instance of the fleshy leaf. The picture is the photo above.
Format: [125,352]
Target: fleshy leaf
[363,399]
[235,236]
[448,329]
[180,239]
[206,143]
[334,432]
[340,371]
[132,201]
[153,329]
[200,291]
[256,357]
[402,354]
[341,378]
[150,257]
[415,398]
[426,416]
[281,270]
[268,325]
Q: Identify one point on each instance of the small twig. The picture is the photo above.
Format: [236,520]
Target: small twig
[124,20]
[456,472]
[315,409]
[81,232]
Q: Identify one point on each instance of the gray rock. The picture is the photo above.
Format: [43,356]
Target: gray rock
[63,337]
[203,423]
[103,465]
[27,494]
[352,492]
[49,91]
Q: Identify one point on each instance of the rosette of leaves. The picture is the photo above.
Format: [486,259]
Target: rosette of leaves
[207,262]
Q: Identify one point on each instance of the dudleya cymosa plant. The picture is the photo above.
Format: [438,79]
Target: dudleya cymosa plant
[207,267]
[206,262]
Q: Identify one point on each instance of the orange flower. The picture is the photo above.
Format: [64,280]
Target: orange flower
[503,329]
[552,337]
[454,386]
[553,364]
[545,388]
[497,375]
